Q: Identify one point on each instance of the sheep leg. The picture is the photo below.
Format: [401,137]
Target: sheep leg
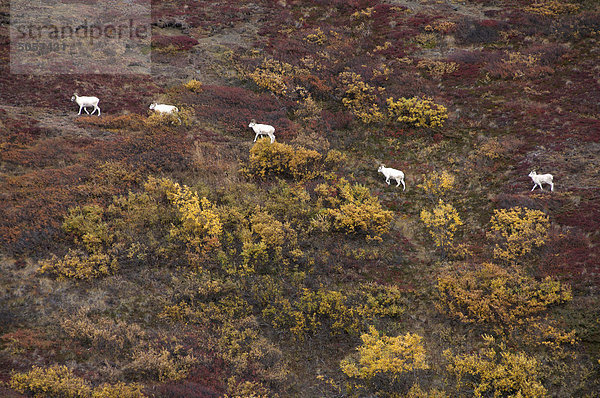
[552,187]
[403,185]
[86,111]
[256,136]
[80,110]
[534,185]
[387,180]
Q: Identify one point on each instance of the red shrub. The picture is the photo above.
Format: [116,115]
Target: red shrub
[336,121]
[469,31]
[569,256]
[181,43]
[126,92]
[33,206]
[232,108]
[586,215]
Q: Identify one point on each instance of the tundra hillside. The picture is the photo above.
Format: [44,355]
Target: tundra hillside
[165,254]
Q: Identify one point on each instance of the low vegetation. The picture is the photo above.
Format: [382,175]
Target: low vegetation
[168,255]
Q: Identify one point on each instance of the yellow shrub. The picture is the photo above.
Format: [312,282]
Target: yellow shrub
[323,307]
[282,160]
[308,109]
[193,85]
[276,76]
[364,13]
[133,225]
[378,301]
[419,112]
[318,37]
[442,224]
[59,382]
[436,184]
[78,265]
[199,225]
[274,236]
[244,347]
[305,311]
[519,65]
[159,363]
[443,27]
[138,220]
[181,118]
[493,296]
[386,355]
[427,40]
[54,382]
[360,98]
[498,373]
[118,390]
[88,227]
[352,209]
[246,389]
[335,159]
[519,230]
[552,8]
[437,69]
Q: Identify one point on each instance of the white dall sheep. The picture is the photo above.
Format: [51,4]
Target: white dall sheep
[397,175]
[262,129]
[84,102]
[162,108]
[539,179]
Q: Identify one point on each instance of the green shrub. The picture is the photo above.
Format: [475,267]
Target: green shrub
[87,225]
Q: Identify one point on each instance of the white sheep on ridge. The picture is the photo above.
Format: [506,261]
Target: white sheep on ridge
[162,108]
[262,129]
[84,102]
[539,179]
[397,175]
